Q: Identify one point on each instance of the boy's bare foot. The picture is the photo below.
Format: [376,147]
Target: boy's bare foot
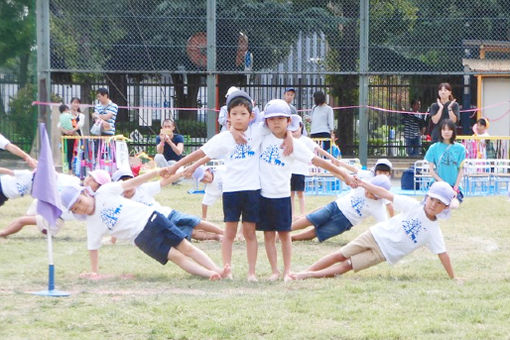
[215,276]
[219,238]
[240,238]
[288,277]
[252,278]
[274,276]
[227,272]
[300,276]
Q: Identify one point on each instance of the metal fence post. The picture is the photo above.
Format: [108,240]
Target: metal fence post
[363,81]
[211,68]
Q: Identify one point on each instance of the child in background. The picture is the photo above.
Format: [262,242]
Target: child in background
[108,212]
[417,225]
[190,225]
[484,148]
[446,157]
[300,170]
[213,179]
[344,213]
[15,184]
[481,127]
[67,128]
[275,174]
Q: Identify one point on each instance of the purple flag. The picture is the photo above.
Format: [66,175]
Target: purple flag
[44,187]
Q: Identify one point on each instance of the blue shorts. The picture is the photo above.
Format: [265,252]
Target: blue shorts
[297,182]
[184,222]
[329,221]
[275,214]
[158,236]
[241,203]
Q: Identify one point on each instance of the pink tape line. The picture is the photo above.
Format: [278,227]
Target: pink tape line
[130,107]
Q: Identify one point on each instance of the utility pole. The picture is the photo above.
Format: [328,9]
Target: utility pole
[211,68]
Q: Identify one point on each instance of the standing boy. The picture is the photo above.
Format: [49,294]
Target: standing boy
[275,174]
[417,225]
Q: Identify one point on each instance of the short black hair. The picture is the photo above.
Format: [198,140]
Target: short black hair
[319,98]
[63,108]
[382,167]
[103,91]
[482,121]
[237,101]
[451,126]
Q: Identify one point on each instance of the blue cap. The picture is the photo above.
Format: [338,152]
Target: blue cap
[290,89]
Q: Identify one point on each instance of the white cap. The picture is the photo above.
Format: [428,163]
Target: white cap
[198,174]
[69,195]
[121,173]
[277,108]
[384,161]
[442,191]
[231,90]
[295,123]
[382,181]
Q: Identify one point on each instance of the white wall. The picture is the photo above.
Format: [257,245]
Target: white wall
[496,90]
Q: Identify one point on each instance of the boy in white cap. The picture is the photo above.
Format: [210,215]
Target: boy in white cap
[213,179]
[417,225]
[190,225]
[275,174]
[344,213]
[107,212]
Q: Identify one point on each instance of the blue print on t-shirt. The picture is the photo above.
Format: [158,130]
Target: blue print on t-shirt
[111,216]
[357,203]
[272,155]
[412,228]
[22,188]
[242,151]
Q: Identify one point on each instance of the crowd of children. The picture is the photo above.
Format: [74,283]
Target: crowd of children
[264,168]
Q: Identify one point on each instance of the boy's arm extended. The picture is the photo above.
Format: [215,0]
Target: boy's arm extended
[445,261]
[192,157]
[5,171]
[326,154]
[377,190]
[137,181]
[94,266]
[336,171]
[191,169]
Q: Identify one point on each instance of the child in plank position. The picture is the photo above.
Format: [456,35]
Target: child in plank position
[108,212]
[275,174]
[190,225]
[241,185]
[344,213]
[213,179]
[417,225]
[15,184]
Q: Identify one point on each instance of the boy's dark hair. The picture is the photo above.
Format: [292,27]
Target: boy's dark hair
[482,121]
[319,98]
[63,107]
[240,101]
[103,91]
[451,126]
[382,167]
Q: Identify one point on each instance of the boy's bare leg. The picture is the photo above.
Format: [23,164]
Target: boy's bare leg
[270,245]
[327,261]
[301,223]
[226,245]
[286,254]
[304,235]
[209,227]
[198,256]
[17,225]
[204,212]
[201,235]
[190,266]
[332,271]
[292,194]
[301,198]
[251,248]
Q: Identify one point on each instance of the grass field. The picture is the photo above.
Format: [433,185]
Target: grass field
[412,300]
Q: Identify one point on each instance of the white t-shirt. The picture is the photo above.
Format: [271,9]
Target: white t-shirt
[407,231]
[145,194]
[3,142]
[18,185]
[356,206]
[301,168]
[241,160]
[214,189]
[115,215]
[276,169]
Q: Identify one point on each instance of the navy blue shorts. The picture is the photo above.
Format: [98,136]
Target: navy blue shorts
[158,236]
[329,221]
[275,214]
[3,198]
[297,182]
[241,203]
[184,222]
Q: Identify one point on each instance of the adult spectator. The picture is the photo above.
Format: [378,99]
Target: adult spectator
[169,145]
[78,116]
[321,118]
[5,144]
[413,124]
[446,107]
[105,110]
[288,96]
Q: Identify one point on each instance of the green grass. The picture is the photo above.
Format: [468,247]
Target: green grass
[411,300]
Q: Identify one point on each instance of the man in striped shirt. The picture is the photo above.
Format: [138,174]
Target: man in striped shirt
[413,124]
[105,110]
